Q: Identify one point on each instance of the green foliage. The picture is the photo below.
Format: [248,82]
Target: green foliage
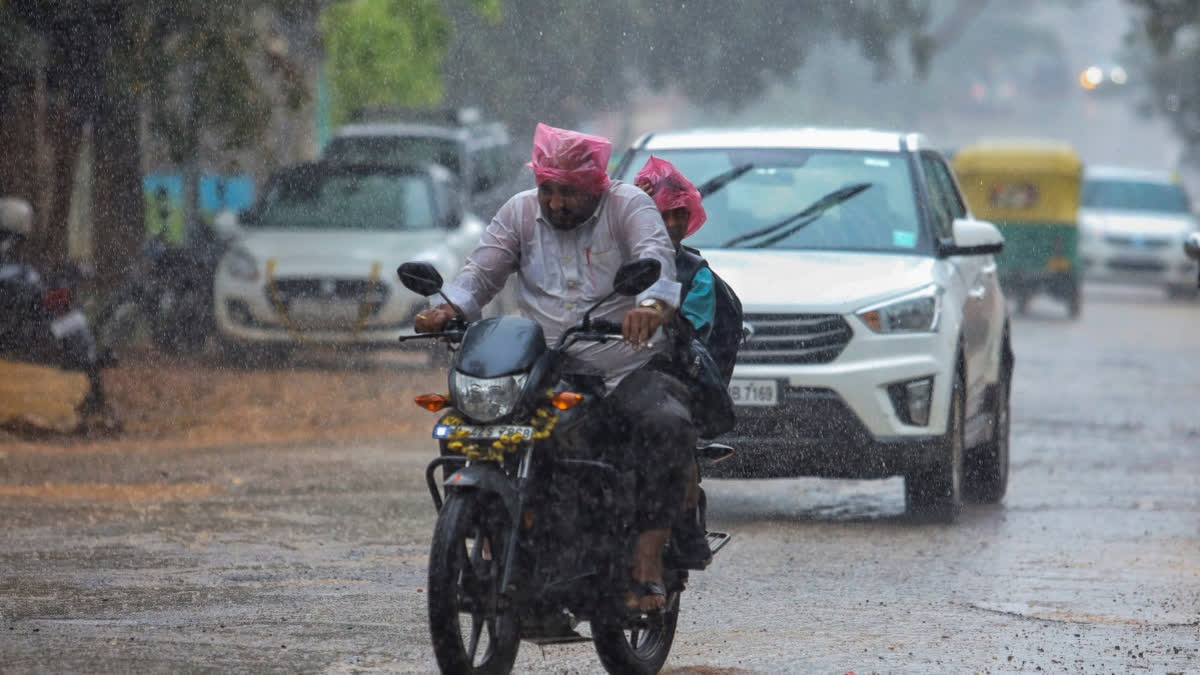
[387,52]
[1171,30]
[556,61]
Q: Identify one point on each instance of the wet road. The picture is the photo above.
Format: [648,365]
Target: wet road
[311,559]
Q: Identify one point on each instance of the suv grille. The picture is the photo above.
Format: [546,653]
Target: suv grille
[330,289]
[794,338]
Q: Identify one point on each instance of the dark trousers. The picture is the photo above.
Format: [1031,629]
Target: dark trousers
[650,416]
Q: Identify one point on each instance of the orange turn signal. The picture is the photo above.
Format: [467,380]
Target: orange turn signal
[873,319]
[565,400]
[431,402]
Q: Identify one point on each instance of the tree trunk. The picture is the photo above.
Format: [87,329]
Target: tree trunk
[118,211]
[64,135]
[18,141]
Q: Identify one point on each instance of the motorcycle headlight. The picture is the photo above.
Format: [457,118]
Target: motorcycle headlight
[485,399]
[915,312]
[242,265]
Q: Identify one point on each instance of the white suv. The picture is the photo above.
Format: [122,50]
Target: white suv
[1132,223]
[878,334]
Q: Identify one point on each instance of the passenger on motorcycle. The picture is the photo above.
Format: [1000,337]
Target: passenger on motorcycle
[678,201]
[565,240]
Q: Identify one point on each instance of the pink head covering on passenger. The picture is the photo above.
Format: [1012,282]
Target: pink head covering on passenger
[570,158]
[672,190]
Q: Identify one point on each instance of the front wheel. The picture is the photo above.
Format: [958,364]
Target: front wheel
[640,648]
[987,470]
[466,562]
[935,493]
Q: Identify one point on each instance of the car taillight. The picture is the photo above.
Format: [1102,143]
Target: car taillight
[57,300]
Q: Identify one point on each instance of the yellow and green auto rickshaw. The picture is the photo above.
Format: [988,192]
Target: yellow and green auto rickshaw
[1030,190]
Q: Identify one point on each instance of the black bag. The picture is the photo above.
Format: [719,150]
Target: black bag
[726,335]
[711,405]
[708,364]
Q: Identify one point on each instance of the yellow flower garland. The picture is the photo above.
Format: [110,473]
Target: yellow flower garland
[543,423]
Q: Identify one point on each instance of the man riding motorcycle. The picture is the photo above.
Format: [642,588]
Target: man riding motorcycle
[565,240]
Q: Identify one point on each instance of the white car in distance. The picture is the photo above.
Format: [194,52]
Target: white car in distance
[314,261]
[1132,226]
[879,342]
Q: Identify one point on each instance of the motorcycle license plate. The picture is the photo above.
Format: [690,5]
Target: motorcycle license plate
[488,431]
[754,392]
[72,322]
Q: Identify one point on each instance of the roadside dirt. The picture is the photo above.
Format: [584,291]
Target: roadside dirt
[194,402]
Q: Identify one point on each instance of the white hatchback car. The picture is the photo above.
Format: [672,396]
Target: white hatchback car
[315,260]
[878,334]
[1132,226]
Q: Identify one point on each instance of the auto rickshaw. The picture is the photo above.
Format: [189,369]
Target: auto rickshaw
[1030,190]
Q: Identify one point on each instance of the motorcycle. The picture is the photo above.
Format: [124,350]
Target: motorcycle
[1191,248]
[40,322]
[531,535]
[170,290]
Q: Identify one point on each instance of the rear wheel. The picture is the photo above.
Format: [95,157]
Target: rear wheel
[935,493]
[471,631]
[987,468]
[638,647]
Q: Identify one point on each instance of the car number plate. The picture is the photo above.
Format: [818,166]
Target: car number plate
[71,323]
[489,431]
[754,392]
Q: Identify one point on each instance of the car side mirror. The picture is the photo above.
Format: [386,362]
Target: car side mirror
[420,278]
[973,237]
[636,276]
[1191,246]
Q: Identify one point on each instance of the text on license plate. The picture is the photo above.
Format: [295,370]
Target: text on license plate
[754,392]
[490,431]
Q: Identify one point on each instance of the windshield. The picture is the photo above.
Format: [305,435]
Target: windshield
[1130,195]
[783,182]
[395,151]
[347,200]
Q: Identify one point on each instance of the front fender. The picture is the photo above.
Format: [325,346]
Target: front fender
[488,478]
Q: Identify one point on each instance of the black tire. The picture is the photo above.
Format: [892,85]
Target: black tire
[986,478]
[935,493]
[117,325]
[464,574]
[638,650]
[179,324]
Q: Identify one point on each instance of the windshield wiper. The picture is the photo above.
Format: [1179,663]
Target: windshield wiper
[801,219]
[722,179]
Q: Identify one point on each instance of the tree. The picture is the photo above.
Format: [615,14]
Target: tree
[551,61]
[186,63]
[1171,28]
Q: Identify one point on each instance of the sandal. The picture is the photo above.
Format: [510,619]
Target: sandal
[639,591]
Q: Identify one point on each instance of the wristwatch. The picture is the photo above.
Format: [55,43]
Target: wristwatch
[652,303]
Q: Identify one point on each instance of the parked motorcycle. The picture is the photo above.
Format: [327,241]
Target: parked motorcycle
[170,291]
[1191,247]
[532,536]
[39,320]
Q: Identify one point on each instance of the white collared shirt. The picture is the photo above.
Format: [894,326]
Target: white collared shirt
[561,274]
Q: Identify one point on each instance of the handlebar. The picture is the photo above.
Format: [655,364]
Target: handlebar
[452,335]
[605,326]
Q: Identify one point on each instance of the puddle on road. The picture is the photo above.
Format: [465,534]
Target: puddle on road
[123,492]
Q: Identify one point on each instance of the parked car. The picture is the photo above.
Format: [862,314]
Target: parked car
[315,259]
[878,333]
[1132,226]
[479,152]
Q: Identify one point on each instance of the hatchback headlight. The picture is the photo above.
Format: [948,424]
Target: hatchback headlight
[916,312]
[242,265]
[485,399]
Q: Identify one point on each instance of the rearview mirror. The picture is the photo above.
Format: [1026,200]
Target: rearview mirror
[420,278]
[973,237]
[1191,246]
[636,276]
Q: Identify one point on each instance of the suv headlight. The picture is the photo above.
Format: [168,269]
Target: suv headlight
[242,265]
[916,312]
[486,399]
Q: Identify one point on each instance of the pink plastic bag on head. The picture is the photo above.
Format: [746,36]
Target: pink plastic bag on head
[571,158]
[671,190]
